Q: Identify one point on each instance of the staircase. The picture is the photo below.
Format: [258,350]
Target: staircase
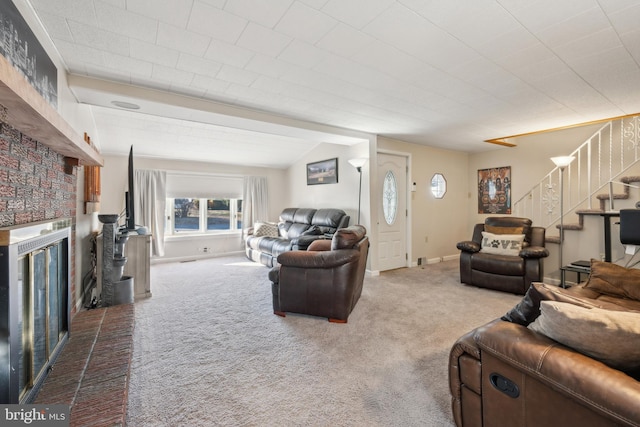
[606,169]
[606,205]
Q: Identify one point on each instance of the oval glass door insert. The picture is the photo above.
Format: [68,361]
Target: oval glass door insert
[389,197]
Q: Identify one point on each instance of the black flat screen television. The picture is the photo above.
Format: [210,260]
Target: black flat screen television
[130,197]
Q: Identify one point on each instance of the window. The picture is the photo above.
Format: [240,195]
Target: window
[186,214]
[389,197]
[202,215]
[222,214]
[203,203]
[438,186]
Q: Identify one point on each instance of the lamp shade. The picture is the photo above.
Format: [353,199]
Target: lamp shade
[357,163]
[562,161]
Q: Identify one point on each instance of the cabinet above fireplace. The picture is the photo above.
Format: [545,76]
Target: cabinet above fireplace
[27,111]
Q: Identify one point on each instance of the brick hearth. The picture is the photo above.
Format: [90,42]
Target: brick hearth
[92,373]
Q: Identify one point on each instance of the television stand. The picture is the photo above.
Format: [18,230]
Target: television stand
[138,253]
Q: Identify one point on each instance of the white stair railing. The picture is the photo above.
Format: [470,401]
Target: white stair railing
[601,159]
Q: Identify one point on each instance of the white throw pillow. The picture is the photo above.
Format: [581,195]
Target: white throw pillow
[613,337]
[501,244]
[267,229]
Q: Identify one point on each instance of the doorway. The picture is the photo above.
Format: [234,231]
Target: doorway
[392,211]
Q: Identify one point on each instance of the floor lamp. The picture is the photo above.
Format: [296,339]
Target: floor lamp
[358,163]
[562,162]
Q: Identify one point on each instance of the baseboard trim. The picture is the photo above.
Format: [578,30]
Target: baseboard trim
[436,260]
[187,258]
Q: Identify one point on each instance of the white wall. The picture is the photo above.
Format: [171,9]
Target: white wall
[436,224]
[342,195]
[114,184]
[530,162]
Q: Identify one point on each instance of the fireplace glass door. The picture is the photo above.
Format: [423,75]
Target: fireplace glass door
[42,282]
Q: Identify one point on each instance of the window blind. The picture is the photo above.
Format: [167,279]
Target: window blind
[182,185]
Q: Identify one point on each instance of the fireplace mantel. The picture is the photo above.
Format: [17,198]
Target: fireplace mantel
[28,112]
[21,232]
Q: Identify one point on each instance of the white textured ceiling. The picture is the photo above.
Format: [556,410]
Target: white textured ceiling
[445,73]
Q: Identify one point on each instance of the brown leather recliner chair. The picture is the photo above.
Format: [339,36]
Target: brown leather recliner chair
[325,280]
[509,273]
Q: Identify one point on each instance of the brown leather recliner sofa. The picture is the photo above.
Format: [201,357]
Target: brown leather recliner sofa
[509,273]
[325,280]
[507,374]
[295,230]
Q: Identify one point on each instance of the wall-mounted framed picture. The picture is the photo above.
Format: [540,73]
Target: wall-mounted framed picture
[21,48]
[322,172]
[494,190]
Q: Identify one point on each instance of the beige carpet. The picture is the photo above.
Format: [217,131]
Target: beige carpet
[208,350]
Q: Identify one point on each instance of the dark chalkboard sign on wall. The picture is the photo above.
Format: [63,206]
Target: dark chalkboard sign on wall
[22,49]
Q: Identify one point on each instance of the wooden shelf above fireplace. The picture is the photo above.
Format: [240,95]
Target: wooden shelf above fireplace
[28,112]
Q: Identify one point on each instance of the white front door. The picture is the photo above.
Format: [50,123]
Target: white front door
[392,211]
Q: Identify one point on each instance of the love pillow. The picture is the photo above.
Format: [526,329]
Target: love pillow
[501,244]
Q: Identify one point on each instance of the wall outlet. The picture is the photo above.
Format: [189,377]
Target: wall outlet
[426,239]
[206,250]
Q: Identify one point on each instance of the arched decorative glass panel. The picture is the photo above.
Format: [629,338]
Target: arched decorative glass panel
[438,186]
[389,197]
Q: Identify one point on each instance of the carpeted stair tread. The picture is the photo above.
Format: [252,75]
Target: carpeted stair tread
[589,211]
[552,239]
[603,199]
[616,196]
[571,226]
[630,179]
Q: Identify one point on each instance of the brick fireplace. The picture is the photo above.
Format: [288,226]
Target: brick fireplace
[37,244]
[36,184]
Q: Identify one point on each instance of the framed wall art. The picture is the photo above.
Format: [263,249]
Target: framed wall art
[23,50]
[322,172]
[494,190]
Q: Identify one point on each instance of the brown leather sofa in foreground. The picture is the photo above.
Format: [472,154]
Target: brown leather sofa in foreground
[500,262]
[326,279]
[561,357]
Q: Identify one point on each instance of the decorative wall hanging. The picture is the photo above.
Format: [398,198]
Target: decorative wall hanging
[494,190]
[323,172]
[92,185]
[22,49]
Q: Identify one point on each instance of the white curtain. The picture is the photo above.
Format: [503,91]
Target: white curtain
[150,187]
[255,200]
